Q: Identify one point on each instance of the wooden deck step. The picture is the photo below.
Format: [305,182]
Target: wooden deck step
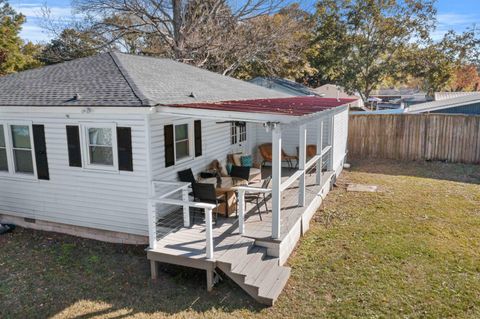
[259,275]
[273,284]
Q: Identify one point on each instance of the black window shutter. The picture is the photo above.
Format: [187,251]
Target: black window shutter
[73,141]
[198,138]
[40,151]
[124,143]
[169,149]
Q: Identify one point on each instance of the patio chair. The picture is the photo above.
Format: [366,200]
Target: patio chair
[255,197]
[186,176]
[240,172]
[310,151]
[205,193]
[266,153]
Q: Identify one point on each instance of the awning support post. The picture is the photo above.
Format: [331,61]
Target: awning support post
[319,152]
[276,180]
[302,149]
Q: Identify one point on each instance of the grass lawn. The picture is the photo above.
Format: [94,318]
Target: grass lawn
[411,250]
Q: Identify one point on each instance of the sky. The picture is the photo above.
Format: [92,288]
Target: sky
[452,14]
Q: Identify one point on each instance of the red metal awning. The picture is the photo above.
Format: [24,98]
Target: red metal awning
[293,106]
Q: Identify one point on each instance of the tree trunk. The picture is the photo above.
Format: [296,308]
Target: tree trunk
[179,39]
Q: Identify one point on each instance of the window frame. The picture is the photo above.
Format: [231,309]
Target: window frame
[242,133]
[5,137]
[85,146]
[237,135]
[7,131]
[191,141]
[233,134]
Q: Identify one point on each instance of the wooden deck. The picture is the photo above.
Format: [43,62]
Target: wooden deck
[186,246]
[190,242]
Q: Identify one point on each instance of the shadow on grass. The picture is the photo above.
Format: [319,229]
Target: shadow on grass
[43,274]
[465,173]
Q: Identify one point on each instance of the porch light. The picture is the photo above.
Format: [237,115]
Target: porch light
[270,126]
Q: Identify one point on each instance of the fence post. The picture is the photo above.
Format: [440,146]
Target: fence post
[186,208]
[209,233]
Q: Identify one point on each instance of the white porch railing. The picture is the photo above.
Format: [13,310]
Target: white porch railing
[186,204]
[241,190]
[314,160]
[277,185]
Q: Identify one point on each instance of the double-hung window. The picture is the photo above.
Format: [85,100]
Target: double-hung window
[22,148]
[17,157]
[182,142]
[100,146]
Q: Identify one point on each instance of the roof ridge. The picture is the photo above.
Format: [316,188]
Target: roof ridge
[144,100]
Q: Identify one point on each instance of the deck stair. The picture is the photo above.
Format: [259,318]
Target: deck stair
[254,271]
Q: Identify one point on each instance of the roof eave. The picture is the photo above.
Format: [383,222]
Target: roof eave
[442,107]
[256,117]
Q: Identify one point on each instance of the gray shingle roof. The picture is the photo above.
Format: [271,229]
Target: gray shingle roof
[116,79]
[283,85]
[444,104]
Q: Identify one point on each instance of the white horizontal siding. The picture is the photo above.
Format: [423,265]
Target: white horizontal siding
[340,128]
[115,201]
[215,145]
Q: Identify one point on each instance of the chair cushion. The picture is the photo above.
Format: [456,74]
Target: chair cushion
[246,160]
[255,175]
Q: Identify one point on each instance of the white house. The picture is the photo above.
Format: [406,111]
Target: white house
[336,91]
[92,148]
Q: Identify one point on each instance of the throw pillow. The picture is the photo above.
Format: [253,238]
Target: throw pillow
[237,159]
[246,161]
[229,168]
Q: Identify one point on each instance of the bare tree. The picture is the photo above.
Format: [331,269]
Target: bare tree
[187,30]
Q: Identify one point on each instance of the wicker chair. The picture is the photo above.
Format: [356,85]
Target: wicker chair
[266,153]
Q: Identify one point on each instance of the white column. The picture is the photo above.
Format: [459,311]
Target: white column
[241,211]
[152,227]
[276,180]
[186,208]
[319,151]
[302,148]
[209,233]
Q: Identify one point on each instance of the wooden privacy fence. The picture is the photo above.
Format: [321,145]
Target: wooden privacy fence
[453,138]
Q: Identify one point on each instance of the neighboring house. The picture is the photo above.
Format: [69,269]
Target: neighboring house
[468,104]
[448,95]
[92,147]
[283,86]
[334,91]
[389,94]
[384,111]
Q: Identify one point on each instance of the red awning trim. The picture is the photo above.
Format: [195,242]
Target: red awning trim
[294,106]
